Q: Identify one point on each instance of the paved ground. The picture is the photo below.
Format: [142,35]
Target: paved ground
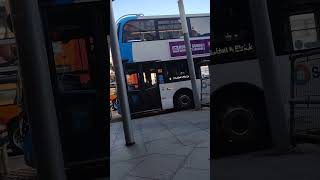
[302,163]
[172,146]
[16,162]
[115,117]
[175,146]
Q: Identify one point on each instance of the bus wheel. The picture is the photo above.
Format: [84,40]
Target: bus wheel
[239,124]
[183,101]
[242,125]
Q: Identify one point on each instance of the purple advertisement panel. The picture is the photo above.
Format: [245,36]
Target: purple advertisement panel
[199,46]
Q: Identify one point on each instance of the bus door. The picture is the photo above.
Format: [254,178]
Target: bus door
[79,71]
[134,87]
[151,77]
[143,87]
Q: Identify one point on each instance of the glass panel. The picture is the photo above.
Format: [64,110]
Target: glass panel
[133,83]
[302,21]
[7,93]
[140,30]
[161,76]
[305,39]
[200,26]
[5,32]
[204,72]
[304,31]
[153,78]
[71,60]
[132,76]
[177,71]
[170,29]
[150,75]
[232,27]
[150,79]
[140,25]
[132,37]
[8,55]
[8,74]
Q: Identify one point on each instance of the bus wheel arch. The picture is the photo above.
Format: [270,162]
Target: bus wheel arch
[240,110]
[183,99]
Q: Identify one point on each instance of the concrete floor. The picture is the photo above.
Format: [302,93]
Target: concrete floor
[302,163]
[172,146]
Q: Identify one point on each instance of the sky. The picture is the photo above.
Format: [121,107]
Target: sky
[158,7]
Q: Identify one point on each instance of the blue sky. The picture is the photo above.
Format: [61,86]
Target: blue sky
[158,7]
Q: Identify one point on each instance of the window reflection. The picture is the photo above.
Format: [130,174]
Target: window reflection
[5,32]
[163,29]
[177,70]
[150,75]
[7,93]
[170,29]
[71,60]
[132,80]
[139,30]
[304,31]
[199,26]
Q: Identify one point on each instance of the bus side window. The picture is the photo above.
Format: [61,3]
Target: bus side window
[169,29]
[139,30]
[178,71]
[198,26]
[160,76]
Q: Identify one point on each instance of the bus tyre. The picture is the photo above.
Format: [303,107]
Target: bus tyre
[241,125]
[183,101]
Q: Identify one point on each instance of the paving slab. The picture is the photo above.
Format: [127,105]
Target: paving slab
[187,129]
[128,153]
[168,146]
[158,166]
[194,138]
[151,136]
[120,170]
[191,174]
[199,159]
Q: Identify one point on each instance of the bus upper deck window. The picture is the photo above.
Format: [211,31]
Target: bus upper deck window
[139,30]
[170,29]
[199,26]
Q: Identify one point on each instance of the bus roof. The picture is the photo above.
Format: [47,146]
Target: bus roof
[172,16]
[128,17]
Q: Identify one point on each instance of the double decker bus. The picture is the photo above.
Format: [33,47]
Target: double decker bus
[154,58]
[238,110]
